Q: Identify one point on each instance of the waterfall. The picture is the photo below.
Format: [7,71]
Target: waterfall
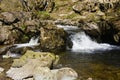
[83,43]
[33,42]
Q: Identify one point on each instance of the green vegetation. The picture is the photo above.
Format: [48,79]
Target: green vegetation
[42,15]
[71,16]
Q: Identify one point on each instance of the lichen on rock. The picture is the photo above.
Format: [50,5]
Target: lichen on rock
[45,59]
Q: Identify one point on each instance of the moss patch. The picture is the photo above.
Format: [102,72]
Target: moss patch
[42,15]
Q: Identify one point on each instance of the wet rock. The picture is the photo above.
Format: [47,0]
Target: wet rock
[5,49]
[52,38]
[92,29]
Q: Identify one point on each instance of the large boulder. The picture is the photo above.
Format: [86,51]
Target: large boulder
[52,38]
[43,59]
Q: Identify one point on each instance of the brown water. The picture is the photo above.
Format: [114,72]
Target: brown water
[97,65]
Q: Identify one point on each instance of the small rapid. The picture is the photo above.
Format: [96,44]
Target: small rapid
[33,42]
[83,43]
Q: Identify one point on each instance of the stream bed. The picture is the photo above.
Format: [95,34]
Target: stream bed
[98,66]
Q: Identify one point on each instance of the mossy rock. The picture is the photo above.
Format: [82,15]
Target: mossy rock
[41,15]
[47,59]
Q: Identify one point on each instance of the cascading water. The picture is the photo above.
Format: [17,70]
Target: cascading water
[99,61]
[83,43]
[33,42]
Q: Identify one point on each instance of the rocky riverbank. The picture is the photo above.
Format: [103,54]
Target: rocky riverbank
[20,20]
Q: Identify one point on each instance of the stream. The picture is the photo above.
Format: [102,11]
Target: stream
[99,61]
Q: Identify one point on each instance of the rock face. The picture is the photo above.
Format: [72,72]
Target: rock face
[52,38]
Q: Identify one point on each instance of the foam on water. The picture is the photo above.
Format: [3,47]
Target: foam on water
[83,43]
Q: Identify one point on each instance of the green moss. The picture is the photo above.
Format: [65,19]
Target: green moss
[42,15]
[24,38]
[23,27]
[71,16]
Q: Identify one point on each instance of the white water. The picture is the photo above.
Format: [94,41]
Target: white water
[33,42]
[83,43]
